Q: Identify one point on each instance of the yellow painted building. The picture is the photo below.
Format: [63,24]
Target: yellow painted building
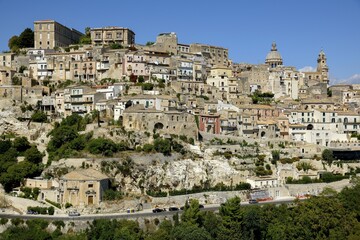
[83,187]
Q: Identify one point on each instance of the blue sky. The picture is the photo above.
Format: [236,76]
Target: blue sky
[247,28]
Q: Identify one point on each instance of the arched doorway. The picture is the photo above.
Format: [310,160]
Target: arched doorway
[159,125]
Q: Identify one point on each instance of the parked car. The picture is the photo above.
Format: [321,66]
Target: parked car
[172,209]
[253,201]
[157,210]
[74,214]
[31,212]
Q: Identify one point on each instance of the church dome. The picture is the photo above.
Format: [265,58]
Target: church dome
[273,58]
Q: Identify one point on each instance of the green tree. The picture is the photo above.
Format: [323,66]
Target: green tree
[188,231]
[60,136]
[163,146]
[191,212]
[102,146]
[102,229]
[21,144]
[147,86]
[115,46]
[5,145]
[76,121]
[86,39]
[251,225]
[26,38]
[212,224]
[140,79]
[16,173]
[13,43]
[328,156]
[33,155]
[231,215]
[39,116]
[275,155]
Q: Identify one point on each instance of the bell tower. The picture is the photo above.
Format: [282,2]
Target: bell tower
[322,67]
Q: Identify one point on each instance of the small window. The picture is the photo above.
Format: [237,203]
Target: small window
[91,185]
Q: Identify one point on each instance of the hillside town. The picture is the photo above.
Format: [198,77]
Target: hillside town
[111,125]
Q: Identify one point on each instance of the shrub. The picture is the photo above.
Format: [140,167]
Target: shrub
[53,203]
[4,221]
[68,205]
[51,210]
[148,148]
[327,155]
[37,223]
[102,146]
[163,146]
[156,193]
[59,224]
[39,210]
[111,195]
[39,116]
[16,221]
[21,144]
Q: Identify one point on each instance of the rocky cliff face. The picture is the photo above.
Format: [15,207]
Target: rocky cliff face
[182,174]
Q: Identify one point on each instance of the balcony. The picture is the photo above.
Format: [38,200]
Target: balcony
[79,111]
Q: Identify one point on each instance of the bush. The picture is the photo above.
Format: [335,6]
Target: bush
[275,155]
[21,144]
[147,86]
[51,210]
[4,221]
[53,203]
[68,205]
[37,223]
[115,46]
[328,156]
[111,195]
[330,177]
[156,193]
[163,146]
[102,146]
[39,210]
[39,116]
[59,224]
[16,221]
[148,148]
[33,155]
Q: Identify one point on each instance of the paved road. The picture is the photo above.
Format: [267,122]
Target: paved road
[141,214]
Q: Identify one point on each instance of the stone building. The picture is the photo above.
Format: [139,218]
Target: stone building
[216,55]
[137,118]
[83,187]
[6,75]
[80,100]
[255,77]
[6,59]
[210,123]
[108,35]
[49,34]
